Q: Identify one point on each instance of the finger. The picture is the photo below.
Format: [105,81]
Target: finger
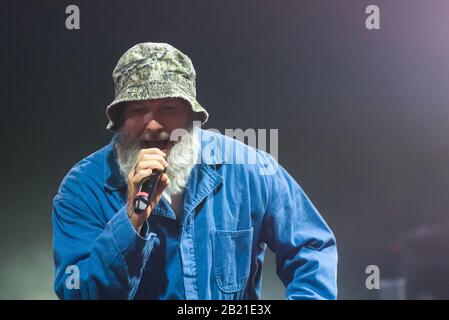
[131,175]
[157,157]
[151,164]
[164,177]
[152,151]
[163,183]
[140,175]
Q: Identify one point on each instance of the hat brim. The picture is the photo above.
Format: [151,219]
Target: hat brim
[147,91]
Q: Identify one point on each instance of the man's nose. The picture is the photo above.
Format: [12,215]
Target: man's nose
[151,122]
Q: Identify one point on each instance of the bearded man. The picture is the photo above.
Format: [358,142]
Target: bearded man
[206,229]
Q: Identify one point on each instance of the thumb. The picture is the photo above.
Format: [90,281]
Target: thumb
[163,183]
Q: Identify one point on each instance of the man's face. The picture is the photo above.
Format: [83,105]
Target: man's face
[148,124]
[152,121]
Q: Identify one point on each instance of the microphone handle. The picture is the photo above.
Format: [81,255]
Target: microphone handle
[146,192]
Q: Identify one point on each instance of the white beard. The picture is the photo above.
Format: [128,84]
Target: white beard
[181,158]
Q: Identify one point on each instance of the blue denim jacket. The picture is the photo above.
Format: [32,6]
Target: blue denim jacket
[233,210]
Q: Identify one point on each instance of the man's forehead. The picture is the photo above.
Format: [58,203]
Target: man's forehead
[157,102]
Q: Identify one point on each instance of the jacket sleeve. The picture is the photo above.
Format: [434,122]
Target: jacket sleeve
[305,247]
[107,256]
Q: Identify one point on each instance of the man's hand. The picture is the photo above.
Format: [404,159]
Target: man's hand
[147,161]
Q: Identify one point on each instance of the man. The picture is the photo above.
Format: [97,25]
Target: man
[206,230]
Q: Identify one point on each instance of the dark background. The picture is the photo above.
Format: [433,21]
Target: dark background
[362,114]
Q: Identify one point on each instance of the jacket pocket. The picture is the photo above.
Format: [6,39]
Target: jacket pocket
[231,258]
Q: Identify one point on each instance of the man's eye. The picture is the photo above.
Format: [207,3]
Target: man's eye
[168,108]
[136,110]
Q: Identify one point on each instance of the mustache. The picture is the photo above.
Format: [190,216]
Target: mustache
[154,136]
[149,139]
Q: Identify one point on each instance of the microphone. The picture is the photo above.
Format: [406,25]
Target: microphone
[146,192]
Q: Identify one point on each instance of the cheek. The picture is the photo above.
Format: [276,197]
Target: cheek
[176,124]
[182,121]
[133,126]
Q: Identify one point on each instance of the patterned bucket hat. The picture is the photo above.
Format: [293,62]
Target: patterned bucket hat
[153,71]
